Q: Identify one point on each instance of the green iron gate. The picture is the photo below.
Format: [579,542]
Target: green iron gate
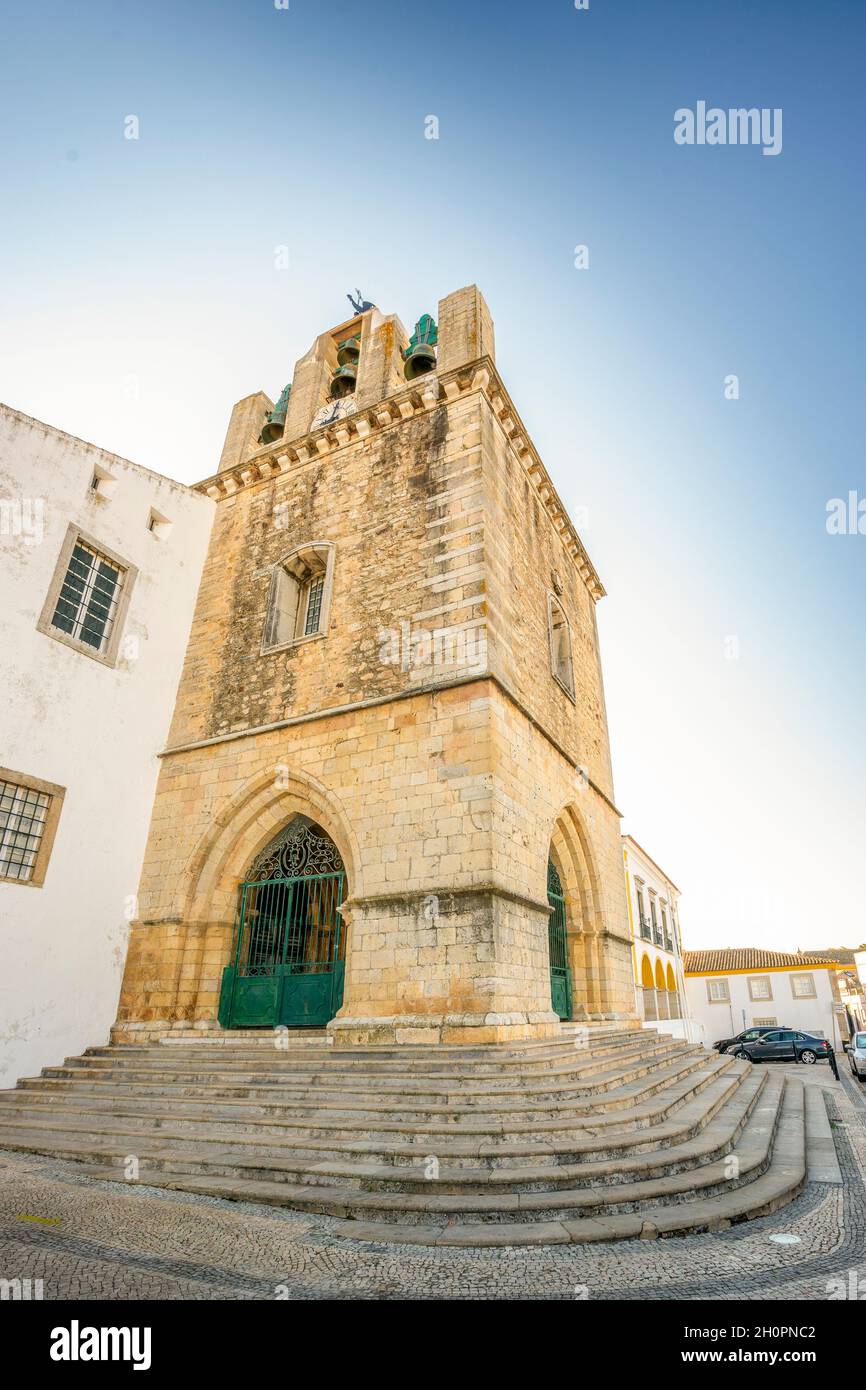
[557,940]
[290,954]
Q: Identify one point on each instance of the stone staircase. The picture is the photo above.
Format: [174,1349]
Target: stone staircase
[600,1134]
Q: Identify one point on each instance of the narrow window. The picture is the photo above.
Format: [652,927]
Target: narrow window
[315,590]
[560,645]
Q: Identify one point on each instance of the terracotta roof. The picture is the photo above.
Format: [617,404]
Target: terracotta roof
[747,958]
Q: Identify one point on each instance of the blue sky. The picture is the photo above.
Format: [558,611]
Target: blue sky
[141,299]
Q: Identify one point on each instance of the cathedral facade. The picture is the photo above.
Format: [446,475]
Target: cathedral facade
[385,804]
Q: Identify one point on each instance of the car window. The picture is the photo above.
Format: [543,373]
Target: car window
[771,1037]
[798,1037]
[860,1040]
[787,1036]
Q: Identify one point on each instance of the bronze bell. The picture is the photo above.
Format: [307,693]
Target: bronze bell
[273,427]
[420,357]
[344,380]
[349,352]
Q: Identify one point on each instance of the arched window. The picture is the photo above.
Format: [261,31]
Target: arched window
[560,645]
[299,597]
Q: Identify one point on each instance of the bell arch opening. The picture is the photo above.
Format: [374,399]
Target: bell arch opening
[288,964]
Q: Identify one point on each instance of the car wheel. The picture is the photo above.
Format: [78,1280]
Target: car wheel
[807,1056]
[743,1055]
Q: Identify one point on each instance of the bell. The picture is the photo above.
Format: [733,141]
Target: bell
[419,356]
[276,421]
[349,352]
[344,380]
[421,359]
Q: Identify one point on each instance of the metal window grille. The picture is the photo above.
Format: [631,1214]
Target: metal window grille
[314,604]
[22,825]
[88,598]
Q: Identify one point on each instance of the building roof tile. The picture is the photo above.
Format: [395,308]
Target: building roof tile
[748,958]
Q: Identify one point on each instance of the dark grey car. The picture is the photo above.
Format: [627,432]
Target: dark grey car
[784,1045]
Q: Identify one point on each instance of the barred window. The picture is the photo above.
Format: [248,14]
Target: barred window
[315,591]
[87,603]
[29,810]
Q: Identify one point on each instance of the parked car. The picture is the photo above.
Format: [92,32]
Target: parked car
[784,1045]
[857,1056]
[750,1034]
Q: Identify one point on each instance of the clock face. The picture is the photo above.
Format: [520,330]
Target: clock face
[333,410]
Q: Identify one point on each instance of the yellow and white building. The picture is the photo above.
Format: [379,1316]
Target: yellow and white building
[742,987]
[656,943]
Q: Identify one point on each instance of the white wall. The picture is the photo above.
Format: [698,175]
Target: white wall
[724,1020]
[68,719]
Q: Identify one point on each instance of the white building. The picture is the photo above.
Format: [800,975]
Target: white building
[657,950]
[731,990]
[100,562]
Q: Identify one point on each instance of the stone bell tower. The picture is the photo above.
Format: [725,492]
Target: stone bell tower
[395,649]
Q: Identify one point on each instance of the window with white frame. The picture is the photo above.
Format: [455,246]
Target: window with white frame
[299,596]
[718,991]
[88,598]
[29,811]
[760,987]
[803,985]
[561,664]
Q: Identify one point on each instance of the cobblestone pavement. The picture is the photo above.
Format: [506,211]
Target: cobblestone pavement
[89,1239]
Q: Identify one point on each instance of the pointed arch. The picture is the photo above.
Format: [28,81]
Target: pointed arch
[571,853]
[246,825]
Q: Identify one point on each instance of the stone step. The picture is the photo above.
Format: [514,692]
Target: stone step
[585,1073]
[374,1117]
[752,1151]
[781,1181]
[407,1148]
[618,1095]
[139,1062]
[587,1091]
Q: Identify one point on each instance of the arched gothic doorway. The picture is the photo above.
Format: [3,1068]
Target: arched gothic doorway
[557,941]
[290,947]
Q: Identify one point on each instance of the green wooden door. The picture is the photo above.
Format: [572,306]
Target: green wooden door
[557,940]
[289,958]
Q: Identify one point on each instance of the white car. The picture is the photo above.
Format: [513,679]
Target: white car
[857,1056]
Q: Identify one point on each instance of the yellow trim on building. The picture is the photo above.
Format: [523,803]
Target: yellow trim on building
[764,970]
